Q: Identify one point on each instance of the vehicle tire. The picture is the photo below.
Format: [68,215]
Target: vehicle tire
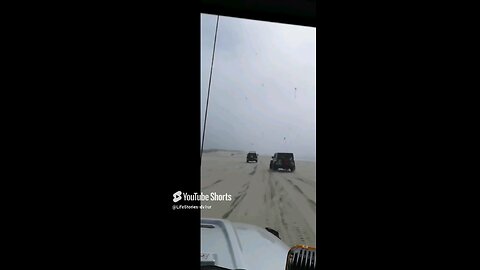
[292,169]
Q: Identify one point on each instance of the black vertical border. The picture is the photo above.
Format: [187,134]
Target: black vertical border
[106,129]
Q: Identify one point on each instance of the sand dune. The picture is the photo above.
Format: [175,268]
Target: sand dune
[284,201]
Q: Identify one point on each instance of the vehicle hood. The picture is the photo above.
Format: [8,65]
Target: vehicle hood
[235,245]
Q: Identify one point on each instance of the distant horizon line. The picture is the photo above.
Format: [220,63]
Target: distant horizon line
[243,151]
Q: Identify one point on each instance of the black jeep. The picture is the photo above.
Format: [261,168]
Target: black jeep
[252,156]
[284,161]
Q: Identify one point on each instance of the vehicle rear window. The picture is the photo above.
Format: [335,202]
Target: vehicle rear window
[285,155]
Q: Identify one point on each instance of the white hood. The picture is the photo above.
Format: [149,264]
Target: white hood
[240,246]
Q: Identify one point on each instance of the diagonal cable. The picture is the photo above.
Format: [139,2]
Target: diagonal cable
[208,94]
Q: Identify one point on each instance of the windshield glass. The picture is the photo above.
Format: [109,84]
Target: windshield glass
[260,93]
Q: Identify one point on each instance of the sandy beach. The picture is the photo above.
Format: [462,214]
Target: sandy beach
[284,201]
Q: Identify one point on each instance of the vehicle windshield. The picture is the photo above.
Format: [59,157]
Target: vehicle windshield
[258,94]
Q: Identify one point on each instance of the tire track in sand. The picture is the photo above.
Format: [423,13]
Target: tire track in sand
[312,203]
[237,200]
[213,184]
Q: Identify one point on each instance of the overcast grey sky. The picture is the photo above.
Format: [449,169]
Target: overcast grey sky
[262,96]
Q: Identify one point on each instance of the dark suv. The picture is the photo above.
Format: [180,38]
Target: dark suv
[284,161]
[252,156]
